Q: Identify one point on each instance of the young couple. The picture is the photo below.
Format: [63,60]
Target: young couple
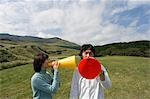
[44,85]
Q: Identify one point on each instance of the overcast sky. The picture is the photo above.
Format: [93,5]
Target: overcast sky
[81,21]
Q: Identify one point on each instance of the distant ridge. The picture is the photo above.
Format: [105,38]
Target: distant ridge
[8,37]
[134,48]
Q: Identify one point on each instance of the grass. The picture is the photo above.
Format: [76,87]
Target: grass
[129,75]
[15,82]
[12,64]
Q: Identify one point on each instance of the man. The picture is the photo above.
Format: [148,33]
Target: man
[83,88]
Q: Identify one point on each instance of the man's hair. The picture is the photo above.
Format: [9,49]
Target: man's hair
[86,47]
[39,59]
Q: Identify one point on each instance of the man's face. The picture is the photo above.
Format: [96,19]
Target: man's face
[87,54]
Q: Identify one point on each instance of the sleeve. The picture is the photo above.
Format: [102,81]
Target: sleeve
[107,82]
[58,79]
[74,94]
[44,86]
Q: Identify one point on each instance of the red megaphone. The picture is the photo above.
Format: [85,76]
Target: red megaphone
[89,68]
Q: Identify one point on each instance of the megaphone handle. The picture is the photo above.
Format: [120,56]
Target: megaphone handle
[50,64]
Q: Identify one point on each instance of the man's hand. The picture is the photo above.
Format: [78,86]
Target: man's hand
[102,76]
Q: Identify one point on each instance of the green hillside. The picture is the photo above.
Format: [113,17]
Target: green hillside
[134,48]
[19,50]
[54,41]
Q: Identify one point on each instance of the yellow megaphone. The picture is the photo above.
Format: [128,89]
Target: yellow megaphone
[69,62]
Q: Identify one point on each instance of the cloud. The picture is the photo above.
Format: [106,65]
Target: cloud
[43,35]
[51,18]
[79,21]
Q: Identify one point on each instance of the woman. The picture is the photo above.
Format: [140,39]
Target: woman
[43,84]
[83,88]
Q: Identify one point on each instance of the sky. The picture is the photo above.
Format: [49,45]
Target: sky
[97,22]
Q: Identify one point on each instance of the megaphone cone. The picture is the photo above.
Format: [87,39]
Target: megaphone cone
[69,62]
[89,68]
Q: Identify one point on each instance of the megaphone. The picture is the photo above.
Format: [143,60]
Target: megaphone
[89,68]
[69,62]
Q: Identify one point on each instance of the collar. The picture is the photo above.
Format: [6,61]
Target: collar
[43,70]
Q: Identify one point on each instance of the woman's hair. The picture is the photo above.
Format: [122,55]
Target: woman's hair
[39,59]
[86,47]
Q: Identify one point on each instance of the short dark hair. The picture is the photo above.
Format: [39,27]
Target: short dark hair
[39,59]
[87,47]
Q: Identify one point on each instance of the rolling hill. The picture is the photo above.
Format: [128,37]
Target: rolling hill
[134,48]
[18,50]
[55,40]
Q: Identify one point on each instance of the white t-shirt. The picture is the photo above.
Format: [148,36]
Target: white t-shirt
[83,88]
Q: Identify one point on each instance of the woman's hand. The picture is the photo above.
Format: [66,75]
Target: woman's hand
[55,64]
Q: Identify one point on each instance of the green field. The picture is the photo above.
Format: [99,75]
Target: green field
[130,79]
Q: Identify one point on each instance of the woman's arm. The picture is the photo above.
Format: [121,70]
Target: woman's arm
[44,86]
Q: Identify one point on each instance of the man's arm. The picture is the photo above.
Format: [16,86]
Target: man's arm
[104,77]
[74,87]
